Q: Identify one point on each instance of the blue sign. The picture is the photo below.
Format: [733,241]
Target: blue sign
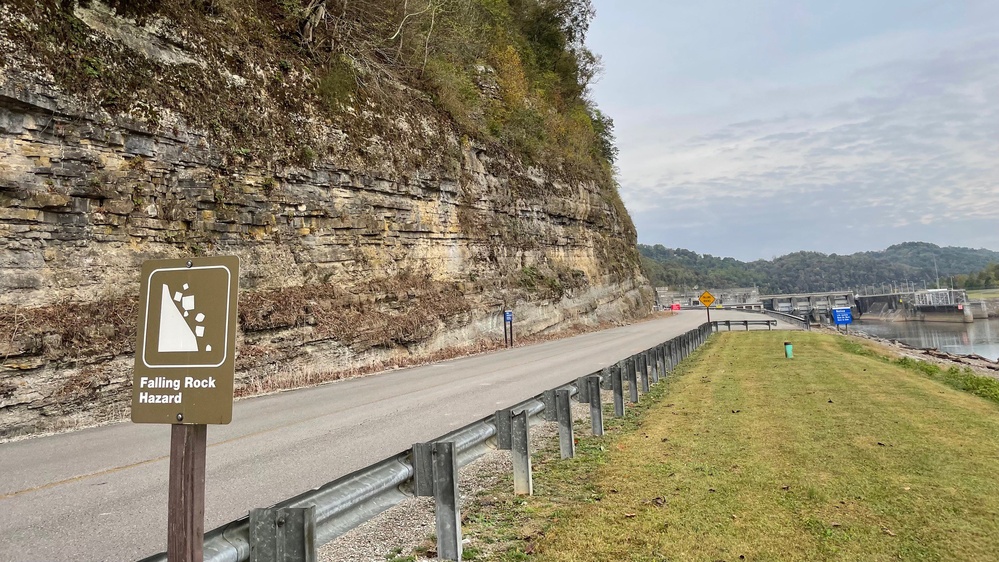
[508,316]
[842,316]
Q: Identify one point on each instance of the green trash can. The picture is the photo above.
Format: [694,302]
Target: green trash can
[788,350]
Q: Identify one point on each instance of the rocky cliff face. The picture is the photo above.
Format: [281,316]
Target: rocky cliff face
[372,244]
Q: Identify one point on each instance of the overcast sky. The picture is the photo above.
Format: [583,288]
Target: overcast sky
[756,128]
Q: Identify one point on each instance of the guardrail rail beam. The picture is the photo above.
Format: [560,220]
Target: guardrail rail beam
[283,534]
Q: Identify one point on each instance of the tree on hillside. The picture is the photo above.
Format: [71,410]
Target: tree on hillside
[814,271]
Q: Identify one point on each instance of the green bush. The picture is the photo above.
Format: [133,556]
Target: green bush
[455,92]
[337,83]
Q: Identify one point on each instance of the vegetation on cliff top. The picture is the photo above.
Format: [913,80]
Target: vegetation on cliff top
[814,271]
[512,73]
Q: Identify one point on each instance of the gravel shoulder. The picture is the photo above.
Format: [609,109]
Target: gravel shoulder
[402,529]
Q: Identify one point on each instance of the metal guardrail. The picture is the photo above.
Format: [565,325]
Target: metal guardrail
[348,501]
[717,324]
[789,318]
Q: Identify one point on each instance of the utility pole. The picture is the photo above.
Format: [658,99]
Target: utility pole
[936,271]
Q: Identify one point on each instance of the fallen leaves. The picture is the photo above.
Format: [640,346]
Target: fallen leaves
[658,501]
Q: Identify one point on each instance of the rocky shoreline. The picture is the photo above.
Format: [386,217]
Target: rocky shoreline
[981,365]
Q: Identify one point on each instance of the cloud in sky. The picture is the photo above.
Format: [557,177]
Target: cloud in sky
[755,131]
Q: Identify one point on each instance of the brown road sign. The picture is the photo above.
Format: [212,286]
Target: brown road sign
[186,341]
[706,298]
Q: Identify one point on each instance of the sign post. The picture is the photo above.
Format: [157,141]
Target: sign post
[843,317]
[184,370]
[707,299]
[508,325]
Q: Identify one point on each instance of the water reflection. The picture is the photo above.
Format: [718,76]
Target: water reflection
[980,337]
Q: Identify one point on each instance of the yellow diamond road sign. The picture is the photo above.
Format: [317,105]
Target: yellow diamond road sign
[186,341]
[707,299]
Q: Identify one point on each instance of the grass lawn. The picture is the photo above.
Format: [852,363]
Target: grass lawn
[837,454]
[981,294]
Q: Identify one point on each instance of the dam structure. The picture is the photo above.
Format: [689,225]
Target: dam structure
[926,305]
[922,305]
[817,307]
[738,298]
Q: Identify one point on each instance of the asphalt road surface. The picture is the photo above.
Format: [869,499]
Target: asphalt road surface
[101,493]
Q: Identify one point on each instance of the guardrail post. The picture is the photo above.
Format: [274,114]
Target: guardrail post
[566,440]
[605,379]
[503,423]
[656,369]
[582,393]
[596,413]
[632,381]
[643,361]
[548,398]
[617,387]
[523,483]
[423,469]
[446,501]
[283,534]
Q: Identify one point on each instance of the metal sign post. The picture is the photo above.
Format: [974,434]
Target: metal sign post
[184,369]
[707,299]
[508,325]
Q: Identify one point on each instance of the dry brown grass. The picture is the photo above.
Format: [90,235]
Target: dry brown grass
[69,329]
[399,310]
[313,376]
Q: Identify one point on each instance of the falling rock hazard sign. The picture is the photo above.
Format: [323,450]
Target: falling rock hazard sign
[186,341]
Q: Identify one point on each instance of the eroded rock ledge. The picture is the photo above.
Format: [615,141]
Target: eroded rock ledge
[342,264]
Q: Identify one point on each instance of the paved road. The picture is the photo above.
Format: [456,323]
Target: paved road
[100,494]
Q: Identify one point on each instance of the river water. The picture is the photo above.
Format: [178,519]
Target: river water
[980,337]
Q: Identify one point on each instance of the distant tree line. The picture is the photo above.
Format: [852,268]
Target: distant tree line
[987,278]
[916,263]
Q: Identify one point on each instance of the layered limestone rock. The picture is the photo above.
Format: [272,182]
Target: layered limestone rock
[360,256]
